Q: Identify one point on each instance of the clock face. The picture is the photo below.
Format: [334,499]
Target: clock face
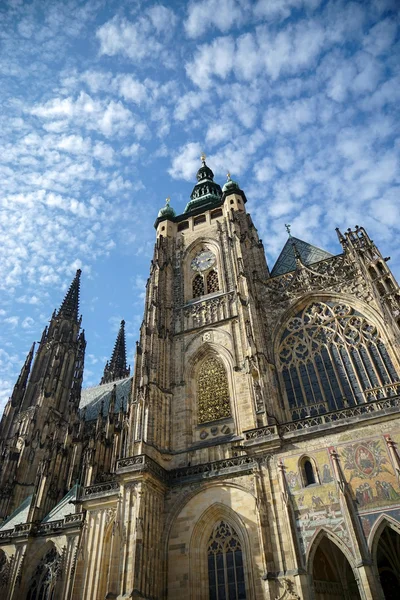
[203,261]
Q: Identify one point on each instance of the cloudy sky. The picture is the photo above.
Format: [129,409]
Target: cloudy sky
[105,107]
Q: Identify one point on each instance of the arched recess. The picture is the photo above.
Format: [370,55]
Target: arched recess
[106,580]
[332,355]
[188,534]
[193,373]
[205,529]
[44,581]
[385,549]
[331,570]
[309,474]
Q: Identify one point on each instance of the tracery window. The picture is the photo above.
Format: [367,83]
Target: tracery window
[331,357]
[212,391]
[212,282]
[225,564]
[44,579]
[198,286]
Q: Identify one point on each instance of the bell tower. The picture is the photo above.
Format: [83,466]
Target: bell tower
[201,378]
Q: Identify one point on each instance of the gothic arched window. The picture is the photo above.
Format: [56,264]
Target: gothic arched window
[212,282]
[198,286]
[212,391]
[225,564]
[44,579]
[331,357]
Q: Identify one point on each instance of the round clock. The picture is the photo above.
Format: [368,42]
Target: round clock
[203,261]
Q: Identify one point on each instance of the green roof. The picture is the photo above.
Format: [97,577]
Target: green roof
[93,397]
[309,254]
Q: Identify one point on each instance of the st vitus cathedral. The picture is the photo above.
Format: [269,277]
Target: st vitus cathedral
[254,452]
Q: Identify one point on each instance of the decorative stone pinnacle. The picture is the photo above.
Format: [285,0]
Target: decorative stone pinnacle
[70,305]
[116,367]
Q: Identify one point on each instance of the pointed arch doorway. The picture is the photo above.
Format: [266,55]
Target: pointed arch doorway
[333,577]
[388,562]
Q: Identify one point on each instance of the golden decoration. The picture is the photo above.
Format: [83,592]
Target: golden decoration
[212,391]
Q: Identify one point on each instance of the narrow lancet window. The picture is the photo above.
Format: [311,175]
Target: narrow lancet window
[198,286]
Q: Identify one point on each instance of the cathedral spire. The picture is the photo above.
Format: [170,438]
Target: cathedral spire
[20,386]
[116,368]
[70,305]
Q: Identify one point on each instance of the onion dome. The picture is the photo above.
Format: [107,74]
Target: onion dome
[206,191]
[230,185]
[166,212]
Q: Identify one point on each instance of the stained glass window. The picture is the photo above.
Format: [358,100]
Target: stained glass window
[213,391]
[225,564]
[331,357]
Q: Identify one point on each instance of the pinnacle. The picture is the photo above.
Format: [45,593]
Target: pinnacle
[116,367]
[70,305]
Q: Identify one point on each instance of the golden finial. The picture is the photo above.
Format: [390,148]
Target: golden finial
[203,158]
[167,201]
[228,176]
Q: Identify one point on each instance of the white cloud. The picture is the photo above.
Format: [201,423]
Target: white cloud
[107,117]
[186,162]
[207,14]
[29,300]
[282,9]
[188,103]
[27,323]
[13,321]
[132,150]
[215,59]
[139,39]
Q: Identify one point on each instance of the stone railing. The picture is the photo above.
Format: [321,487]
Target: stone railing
[132,463]
[205,470]
[24,528]
[261,432]
[207,310]
[42,528]
[73,519]
[108,488]
[140,463]
[213,469]
[327,419]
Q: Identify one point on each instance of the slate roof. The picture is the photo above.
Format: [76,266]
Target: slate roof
[20,515]
[64,507]
[309,254]
[91,398]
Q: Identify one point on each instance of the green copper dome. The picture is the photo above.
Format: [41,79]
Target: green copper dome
[206,192]
[230,184]
[167,210]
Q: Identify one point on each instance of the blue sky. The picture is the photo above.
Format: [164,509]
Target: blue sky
[105,107]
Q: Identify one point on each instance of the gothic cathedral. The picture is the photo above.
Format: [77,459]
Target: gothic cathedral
[252,455]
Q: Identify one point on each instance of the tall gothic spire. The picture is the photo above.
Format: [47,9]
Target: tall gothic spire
[20,386]
[70,305]
[116,368]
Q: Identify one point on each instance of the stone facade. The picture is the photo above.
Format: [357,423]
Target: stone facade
[255,453]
